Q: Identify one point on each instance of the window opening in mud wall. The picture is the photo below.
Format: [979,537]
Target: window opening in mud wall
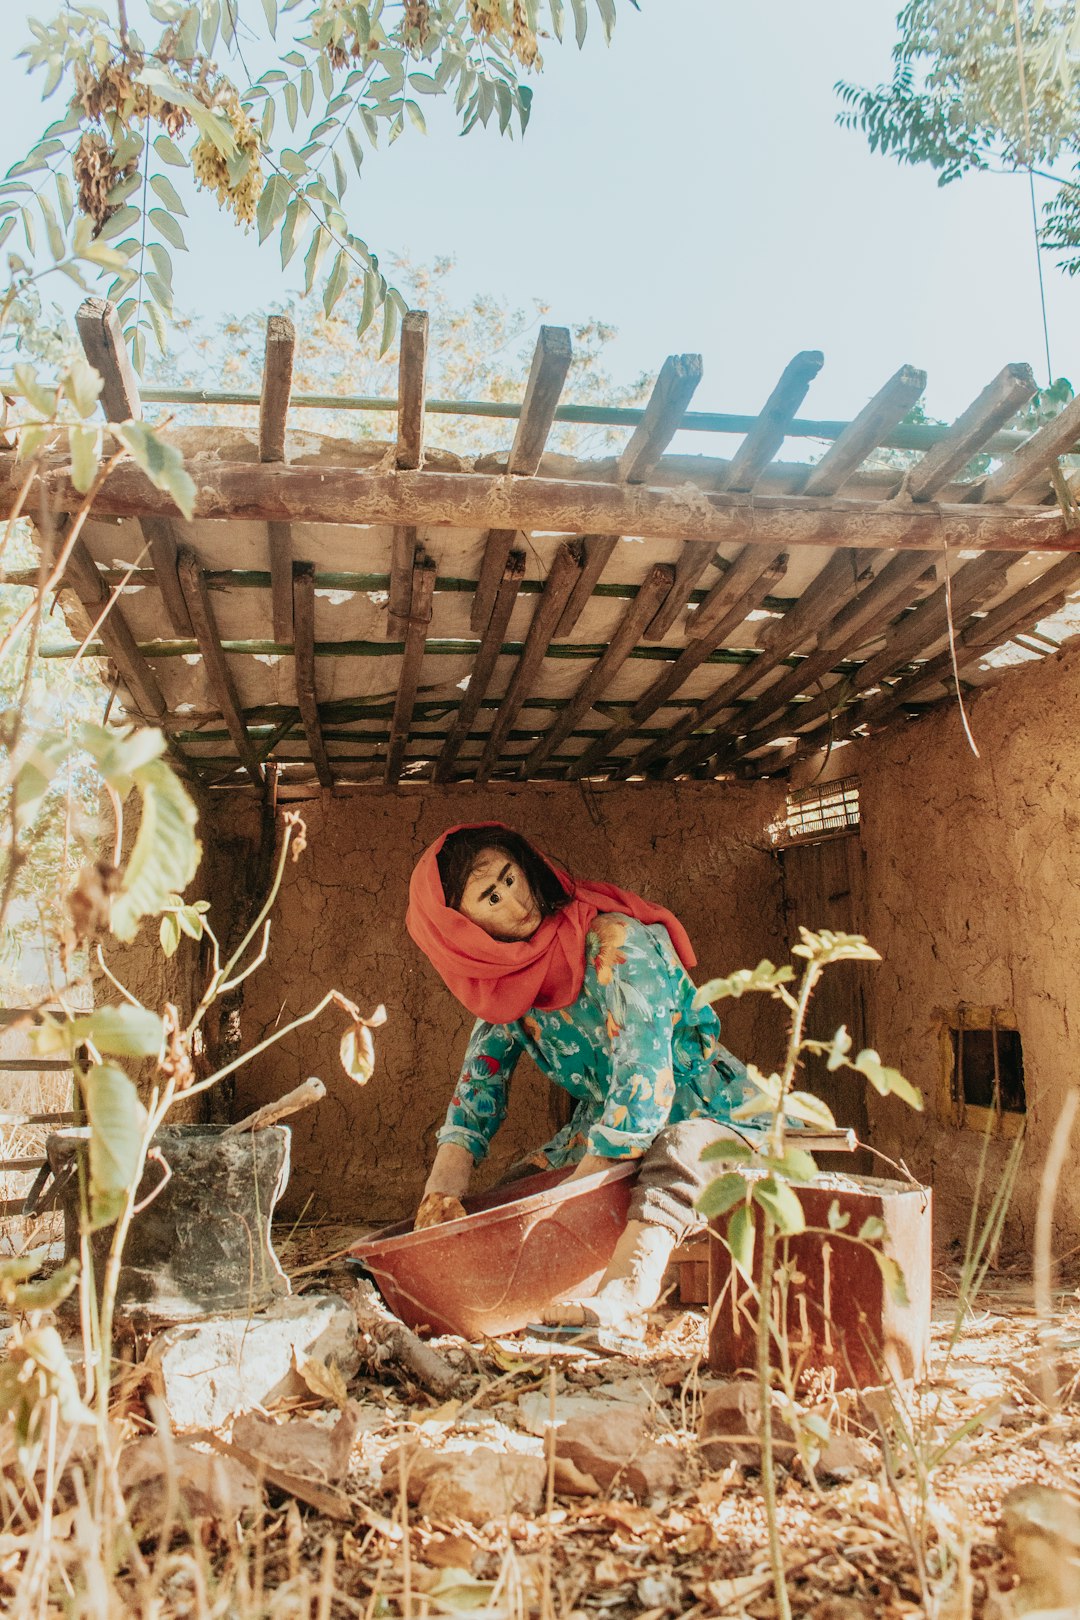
[984,1069]
[822,811]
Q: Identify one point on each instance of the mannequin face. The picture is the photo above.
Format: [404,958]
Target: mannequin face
[498,898]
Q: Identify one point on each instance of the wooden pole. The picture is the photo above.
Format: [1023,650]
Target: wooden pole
[415,637]
[277,378]
[483,665]
[403,552]
[218,674]
[997,404]
[770,430]
[412,387]
[1034,458]
[303,578]
[866,432]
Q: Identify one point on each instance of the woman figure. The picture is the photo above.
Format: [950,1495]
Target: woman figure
[589,980]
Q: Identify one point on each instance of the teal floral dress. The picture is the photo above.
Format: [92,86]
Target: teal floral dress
[632,1049]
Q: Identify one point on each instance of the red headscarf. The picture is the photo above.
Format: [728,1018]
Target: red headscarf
[499,980]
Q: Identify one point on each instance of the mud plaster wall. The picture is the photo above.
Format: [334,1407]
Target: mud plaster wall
[973,895]
[362,1154]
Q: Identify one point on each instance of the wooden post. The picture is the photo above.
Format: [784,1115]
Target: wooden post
[218,673]
[303,579]
[483,665]
[412,387]
[415,637]
[273,417]
[103,344]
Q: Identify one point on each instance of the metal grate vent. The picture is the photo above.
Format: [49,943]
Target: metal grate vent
[817,812]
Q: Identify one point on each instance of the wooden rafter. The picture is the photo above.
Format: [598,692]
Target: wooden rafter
[218,674]
[483,665]
[403,553]
[250,491]
[671,393]
[557,588]
[998,403]
[866,432]
[757,582]
[625,638]
[138,677]
[1033,459]
[307,701]
[547,374]
[423,586]
[277,378]
[412,387]
[103,344]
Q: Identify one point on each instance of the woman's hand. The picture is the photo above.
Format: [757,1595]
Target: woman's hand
[589,1165]
[446,1186]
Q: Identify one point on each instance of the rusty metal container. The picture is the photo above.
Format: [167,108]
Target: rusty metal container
[840,1317]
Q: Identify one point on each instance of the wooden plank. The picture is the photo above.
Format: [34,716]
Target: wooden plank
[218,674]
[412,387]
[1035,458]
[672,392]
[415,637]
[593,551]
[20,1165]
[874,423]
[547,374]
[8,1118]
[824,592]
[300,494]
[997,404]
[696,556]
[103,344]
[307,701]
[627,634]
[402,560]
[483,664]
[751,565]
[278,359]
[34,1065]
[142,684]
[696,652]
[771,428]
[560,582]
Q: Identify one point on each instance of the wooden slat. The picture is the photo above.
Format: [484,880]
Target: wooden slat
[218,674]
[627,634]
[593,552]
[671,394]
[997,404]
[412,386]
[402,560]
[874,422]
[483,664]
[20,1165]
[301,494]
[696,652]
[415,637]
[31,1065]
[139,679]
[103,343]
[549,608]
[830,588]
[307,701]
[9,1118]
[278,361]
[694,558]
[1035,458]
[751,565]
[547,374]
[771,428]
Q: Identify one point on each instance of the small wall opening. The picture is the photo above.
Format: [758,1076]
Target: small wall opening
[824,810]
[985,1068]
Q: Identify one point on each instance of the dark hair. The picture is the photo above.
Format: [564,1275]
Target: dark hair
[457,857]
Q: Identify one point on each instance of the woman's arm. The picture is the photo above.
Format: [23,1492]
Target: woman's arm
[476,1111]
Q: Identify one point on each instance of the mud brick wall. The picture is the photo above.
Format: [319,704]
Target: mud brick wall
[973,895]
[363,1153]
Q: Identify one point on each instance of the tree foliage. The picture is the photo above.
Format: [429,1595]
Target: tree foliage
[970,90]
[169,96]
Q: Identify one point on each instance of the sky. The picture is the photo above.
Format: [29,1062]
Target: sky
[689,184]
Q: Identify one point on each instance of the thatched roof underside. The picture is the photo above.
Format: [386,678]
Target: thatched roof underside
[302,622]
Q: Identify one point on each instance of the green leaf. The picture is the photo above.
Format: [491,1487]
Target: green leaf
[100,253]
[358,1053]
[367,308]
[320,241]
[336,282]
[84,448]
[765,977]
[292,104]
[837,1218]
[782,1203]
[418,118]
[729,1151]
[65,197]
[169,933]
[307,90]
[721,1195]
[45,1295]
[892,1276]
[839,1049]
[36,394]
[270,12]
[740,1239]
[164,188]
[166,851]
[288,231]
[117,1123]
[391,317]
[162,463]
[35,776]
[888,1082]
[168,227]
[826,946]
[796,1164]
[810,1109]
[872,1229]
[82,385]
[606,9]
[581,21]
[168,151]
[123,1030]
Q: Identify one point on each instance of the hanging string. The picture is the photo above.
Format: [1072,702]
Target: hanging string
[1018,36]
[952,648]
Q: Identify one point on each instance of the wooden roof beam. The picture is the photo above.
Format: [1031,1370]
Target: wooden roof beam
[84,579]
[1033,459]
[251,492]
[423,586]
[671,394]
[547,374]
[403,557]
[875,422]
[103,344]
[412,388]
[278,359]
[483,667]
[307,701]
[560,583]
[758,582]
[770,430]
[218,674]
[654,588]
[998,403]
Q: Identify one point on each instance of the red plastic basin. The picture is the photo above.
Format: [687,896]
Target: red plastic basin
[519,1247]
